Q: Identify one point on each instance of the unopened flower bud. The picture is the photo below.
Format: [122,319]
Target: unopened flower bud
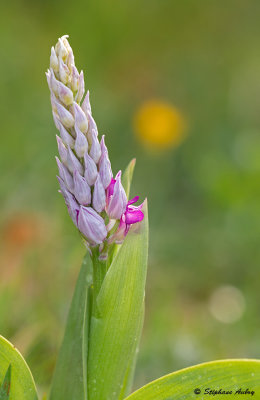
[54,62]
[92,124]
[90,173]
[65,94]
[73,163]
[82,190]
[66,43]
[116,203]
[62,150]
[81,143]
[66,137]
[71,203]
[105,171]
[74,79]
[61,49]
[86,107]
[64,72]
[99,196]
[65,116]
[81,89]
[103,145]
[91,225]
[48,77]
[95,150]
[65,175]
[80,118]
[54,83]
[70,60]
[56,120]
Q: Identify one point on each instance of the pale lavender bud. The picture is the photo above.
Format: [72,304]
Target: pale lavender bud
[105,171]
[86,107]
[54,62]
[90,173]
[103,145]
[66,43]
[48,77]
[95,150]
[66,137]
[70,60]
[80,118]
[81,89]
[65,116]
[99,196]
[82,190]
[64,72]
[71,203]
[65,175]
[73,163]
[62,150]
[56,120]
[53,83]
[81,143]
[65,94]
[116,203]
[74,78]
[61,50]
[92,123]
[53,102]
[91,225]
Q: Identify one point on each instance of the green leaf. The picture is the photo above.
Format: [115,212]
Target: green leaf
[227,375]
[116,327]
[70,377]
[127,176]
[5,388]
[23,386]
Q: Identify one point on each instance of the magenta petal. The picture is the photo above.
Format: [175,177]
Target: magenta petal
[133,216]
[110,189]
[133,200]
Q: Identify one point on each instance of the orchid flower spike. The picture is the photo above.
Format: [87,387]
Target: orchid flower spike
[95,200]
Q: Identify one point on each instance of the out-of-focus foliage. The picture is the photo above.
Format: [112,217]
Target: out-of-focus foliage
[200,58]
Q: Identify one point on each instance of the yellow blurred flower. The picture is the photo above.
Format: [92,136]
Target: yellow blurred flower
[159,124]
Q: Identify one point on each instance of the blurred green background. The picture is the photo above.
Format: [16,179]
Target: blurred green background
[202,58]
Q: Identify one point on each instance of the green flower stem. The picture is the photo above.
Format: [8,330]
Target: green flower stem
[99,272]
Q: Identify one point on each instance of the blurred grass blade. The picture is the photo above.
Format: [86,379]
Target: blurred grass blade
[5,388]
[69,381]
[22,386]
[228,375]
[127,176]
[115,329]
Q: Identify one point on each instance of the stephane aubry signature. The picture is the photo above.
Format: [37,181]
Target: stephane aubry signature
[214,392]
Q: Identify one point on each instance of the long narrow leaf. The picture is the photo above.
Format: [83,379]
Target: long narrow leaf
[115,330]
[22,385]
[70,378]
[236,376]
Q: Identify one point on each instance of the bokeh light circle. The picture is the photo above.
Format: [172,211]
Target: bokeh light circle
[159,124]
[227,304]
